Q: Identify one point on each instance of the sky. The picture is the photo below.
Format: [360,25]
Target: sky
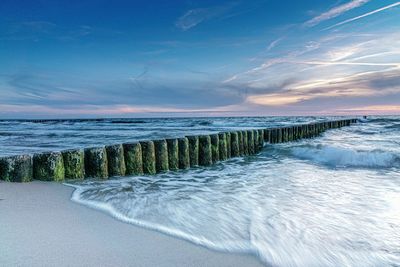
[98,58]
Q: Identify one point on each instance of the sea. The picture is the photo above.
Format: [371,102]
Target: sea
[333,200]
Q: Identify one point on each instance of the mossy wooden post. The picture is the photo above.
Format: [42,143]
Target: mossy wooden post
[235,147]
[74,163]
[193,150]
[255,140]
[205,153]
[184,158]
[245,143]
[303,131]
[261,138]
[133,158]
[284,135]
[250,141]
[272,136]
[148,157]
[215,147]
[240,140]
[96,164]
[267,135]
[290,134]
[48,166]
[228,145]
[276,135]
[161,151]
[173,154]
[16,168]
[223,152]
[287,133]
[116,160]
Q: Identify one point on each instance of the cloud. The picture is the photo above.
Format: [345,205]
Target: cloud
[345,67]
[364,15]
[194,17]
[334,12]
[359,85]
[274,43]
[144,90]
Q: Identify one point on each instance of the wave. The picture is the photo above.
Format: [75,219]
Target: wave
[384,119]
[345,157]
[234,246]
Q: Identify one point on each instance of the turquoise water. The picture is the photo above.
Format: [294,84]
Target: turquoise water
[329,201]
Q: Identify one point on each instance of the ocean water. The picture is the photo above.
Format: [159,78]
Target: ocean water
[329,201]
[21,137]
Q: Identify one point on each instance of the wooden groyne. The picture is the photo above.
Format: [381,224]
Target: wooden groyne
[151,157]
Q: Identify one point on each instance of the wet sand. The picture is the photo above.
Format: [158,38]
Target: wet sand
[41,226]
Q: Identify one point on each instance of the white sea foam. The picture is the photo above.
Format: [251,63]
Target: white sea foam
[340,157]
[288,212]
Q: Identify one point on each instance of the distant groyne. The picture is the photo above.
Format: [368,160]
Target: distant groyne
[152,157]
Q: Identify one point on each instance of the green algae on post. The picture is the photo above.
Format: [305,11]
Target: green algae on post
[223,153]
[250,141]
[193,150]
[48,166]
[240,140]
[235,150]
[133,158]
[205,153]
[184,158]
[255,136]
[96,164]
[228,144]
[16,168]
[215,147]
[148,157]
[161,151]
[173,154]
[74,163]
[245,143]
[116,160]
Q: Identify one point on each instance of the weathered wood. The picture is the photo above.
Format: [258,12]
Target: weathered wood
[116,160]
[173,154]
[74,163]
[205,153]
[133,158]
[148,157]
[48,166]
[193,150]
[184,157]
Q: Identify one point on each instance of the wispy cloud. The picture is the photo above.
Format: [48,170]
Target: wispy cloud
[274,43]
[194,17]
[345,67]
[364,15]
[334,12]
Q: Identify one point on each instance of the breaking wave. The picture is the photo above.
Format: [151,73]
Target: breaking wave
[347,157]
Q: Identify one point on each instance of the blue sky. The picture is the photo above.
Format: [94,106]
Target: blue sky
[184,58]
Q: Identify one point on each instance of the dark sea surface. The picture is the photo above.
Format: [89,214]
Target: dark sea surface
[22,137]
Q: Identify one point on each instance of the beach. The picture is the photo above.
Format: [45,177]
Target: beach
[41,226]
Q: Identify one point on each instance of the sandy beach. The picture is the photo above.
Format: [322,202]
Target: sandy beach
[41,226]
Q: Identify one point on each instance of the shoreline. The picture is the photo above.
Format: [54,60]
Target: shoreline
[41,226]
